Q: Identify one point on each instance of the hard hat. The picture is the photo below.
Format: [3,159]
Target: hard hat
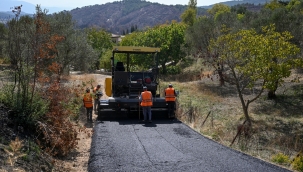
[87,90]
[170,85]
[98,85]
[144,87]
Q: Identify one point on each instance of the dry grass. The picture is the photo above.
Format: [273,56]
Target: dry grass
[277,125]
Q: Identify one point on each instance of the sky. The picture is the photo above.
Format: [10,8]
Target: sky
[71,4]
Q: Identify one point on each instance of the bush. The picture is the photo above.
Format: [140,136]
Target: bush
[173,70]
[58,134]
[298,163]
[280,158]
[25,110]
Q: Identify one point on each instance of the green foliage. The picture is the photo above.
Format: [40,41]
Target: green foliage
[173,70]
[198,36]
[74,50]
[240,16]
[280,158]
[252,58]
[105,62]
[101,42]
[267,56]
[298,163]
[189,15]
[99,39]
[27,114]
[168,37]
[3,35]
[219,9]
[293,4]
[239,9]
[39,49]
[274,4]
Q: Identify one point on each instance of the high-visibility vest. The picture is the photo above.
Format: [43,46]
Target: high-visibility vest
[146,98]
[88,100]
[170,95]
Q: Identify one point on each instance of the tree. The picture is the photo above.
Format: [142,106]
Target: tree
[189,15]
[198,36]
[70,50]
[85,57]
[218,9]
[101,41]
[3,38]
[30,50]
[286,18]
[37,99]
[253,60]
[168,37]
[274,4]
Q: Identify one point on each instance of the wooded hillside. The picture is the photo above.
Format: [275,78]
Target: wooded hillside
[117,17]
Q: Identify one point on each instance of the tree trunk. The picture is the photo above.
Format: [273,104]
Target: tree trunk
[245,110]
[221,78]
[272,93]
[244,105]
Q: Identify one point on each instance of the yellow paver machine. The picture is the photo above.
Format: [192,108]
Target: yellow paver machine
[125,86]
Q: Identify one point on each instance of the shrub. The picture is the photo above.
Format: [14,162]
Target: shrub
[173,70]
[14,151]
[27,109]
[298,163]
[280,158]
[58,135]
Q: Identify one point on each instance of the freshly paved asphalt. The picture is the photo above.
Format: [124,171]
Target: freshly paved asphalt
[164,145]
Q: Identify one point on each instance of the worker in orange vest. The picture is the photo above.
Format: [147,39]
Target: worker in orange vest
[88,104]
[146,99]
[170,98]
[96,99]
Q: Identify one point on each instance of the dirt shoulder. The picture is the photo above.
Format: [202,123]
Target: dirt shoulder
[77,161]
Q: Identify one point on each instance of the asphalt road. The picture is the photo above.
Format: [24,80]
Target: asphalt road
[164,145]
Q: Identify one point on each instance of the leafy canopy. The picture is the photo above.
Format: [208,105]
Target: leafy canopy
[168,37]
[251,59]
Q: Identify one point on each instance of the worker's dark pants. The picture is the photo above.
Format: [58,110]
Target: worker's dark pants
[171,108]
[89,113]
[147,111]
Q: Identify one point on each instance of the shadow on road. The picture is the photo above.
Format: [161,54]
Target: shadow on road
[146,124]
[149,125]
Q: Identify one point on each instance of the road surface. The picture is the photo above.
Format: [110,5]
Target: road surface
[164,145]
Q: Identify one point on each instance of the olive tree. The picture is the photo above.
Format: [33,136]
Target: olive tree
[254,60]
[74,50]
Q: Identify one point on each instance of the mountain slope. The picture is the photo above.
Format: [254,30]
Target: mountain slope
[118,16]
